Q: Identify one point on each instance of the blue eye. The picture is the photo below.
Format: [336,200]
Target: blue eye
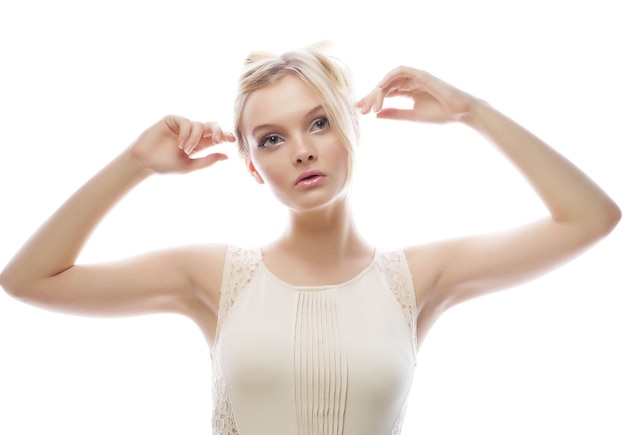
[320,124]
[270,141]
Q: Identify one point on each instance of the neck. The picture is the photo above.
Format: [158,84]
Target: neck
[323,235]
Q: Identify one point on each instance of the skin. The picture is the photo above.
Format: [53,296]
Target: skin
[321,244]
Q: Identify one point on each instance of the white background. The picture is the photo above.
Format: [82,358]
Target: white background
[80,80]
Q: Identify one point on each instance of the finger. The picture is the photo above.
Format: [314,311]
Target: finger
[229,136]
[396,87]
[397,114]
[214,132]
[401,74]
[195,135]
[180,127]
[360,104]
[364,104]
[372,102]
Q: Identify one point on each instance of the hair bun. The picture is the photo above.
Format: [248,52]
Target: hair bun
[257,56]
[324,45]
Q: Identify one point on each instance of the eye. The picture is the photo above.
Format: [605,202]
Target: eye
[320,124]
[271,140]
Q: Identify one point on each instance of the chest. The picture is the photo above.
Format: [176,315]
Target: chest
[323,349]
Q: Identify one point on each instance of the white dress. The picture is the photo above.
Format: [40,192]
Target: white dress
[296,360]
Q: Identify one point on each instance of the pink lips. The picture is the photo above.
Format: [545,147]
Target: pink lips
[310,178]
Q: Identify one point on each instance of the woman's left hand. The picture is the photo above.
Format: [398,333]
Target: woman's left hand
[433,99]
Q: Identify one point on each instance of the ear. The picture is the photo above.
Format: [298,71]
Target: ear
[252,170]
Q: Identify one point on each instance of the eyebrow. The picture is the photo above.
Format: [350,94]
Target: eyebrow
[309,113]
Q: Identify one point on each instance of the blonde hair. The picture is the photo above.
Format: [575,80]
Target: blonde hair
[324,75]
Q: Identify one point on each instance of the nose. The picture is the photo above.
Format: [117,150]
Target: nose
[304,152]
[307,158]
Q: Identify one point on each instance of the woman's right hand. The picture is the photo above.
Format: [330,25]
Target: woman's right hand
[170,145]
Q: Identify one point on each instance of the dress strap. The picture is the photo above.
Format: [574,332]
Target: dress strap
[394,266]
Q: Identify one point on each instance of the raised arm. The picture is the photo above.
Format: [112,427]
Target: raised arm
[580,213]
[44,272]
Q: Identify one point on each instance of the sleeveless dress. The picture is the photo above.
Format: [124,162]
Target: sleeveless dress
[297,360]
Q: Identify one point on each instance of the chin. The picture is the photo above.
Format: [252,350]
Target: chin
[337,202]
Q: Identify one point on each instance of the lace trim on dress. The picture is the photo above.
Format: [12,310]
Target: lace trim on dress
[393,264]
[397,425]
[395,268]
[239,269]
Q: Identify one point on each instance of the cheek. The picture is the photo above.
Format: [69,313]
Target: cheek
[342,156]
[272,174]
[265,170]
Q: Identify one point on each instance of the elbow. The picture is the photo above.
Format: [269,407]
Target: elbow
[9,284]
[13,285]
[594,223]
[606,219]
[6,285]
[23,291]
[612,217]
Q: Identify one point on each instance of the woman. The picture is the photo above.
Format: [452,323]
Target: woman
[317,331]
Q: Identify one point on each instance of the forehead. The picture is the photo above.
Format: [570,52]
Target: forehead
[286,100]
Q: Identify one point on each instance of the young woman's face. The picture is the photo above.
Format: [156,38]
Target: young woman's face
[292,146]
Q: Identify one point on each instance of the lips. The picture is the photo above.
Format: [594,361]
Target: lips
[310,177]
